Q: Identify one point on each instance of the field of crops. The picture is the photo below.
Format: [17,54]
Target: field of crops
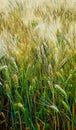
[38,65]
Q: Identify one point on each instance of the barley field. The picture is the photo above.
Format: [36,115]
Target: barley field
[37,65]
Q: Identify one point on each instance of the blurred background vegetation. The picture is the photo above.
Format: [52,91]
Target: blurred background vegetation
[38,65]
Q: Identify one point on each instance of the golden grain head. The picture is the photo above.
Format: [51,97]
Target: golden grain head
[15,78]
